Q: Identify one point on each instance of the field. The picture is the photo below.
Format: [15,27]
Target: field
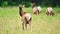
[10,22]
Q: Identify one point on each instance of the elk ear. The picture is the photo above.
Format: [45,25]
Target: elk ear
[23,6]
[20,6]
[33,3]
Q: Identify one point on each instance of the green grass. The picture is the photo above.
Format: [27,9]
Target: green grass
[10,22]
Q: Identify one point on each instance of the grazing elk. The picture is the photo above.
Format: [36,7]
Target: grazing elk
[49,11]
[36,9]
[26,18]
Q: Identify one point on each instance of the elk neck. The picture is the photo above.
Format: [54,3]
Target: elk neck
[21,11]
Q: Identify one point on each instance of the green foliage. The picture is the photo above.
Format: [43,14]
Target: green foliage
[14,4]
[27,3]
[4,4]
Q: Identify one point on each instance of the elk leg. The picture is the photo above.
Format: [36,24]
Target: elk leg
[23,25]
[30,24]
[51,13]
[47,13]
[26,26]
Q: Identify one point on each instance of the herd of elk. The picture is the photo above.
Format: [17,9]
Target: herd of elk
[27,18]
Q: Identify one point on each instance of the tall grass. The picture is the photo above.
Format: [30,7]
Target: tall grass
[10,22]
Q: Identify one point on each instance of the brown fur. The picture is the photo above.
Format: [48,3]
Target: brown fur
[35,9]
[21,11]
[50,13]
[24,18]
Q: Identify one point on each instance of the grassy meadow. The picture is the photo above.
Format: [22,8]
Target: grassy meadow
[10,21]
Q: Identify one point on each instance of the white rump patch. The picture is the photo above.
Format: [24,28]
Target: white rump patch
[39,8]
[49,9]
[28,16]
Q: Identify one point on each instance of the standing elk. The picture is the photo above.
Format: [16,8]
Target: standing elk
[49,11]
[36,9]
[26,18]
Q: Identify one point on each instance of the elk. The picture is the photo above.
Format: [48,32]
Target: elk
[49,11]
[26,18]
[36,9]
